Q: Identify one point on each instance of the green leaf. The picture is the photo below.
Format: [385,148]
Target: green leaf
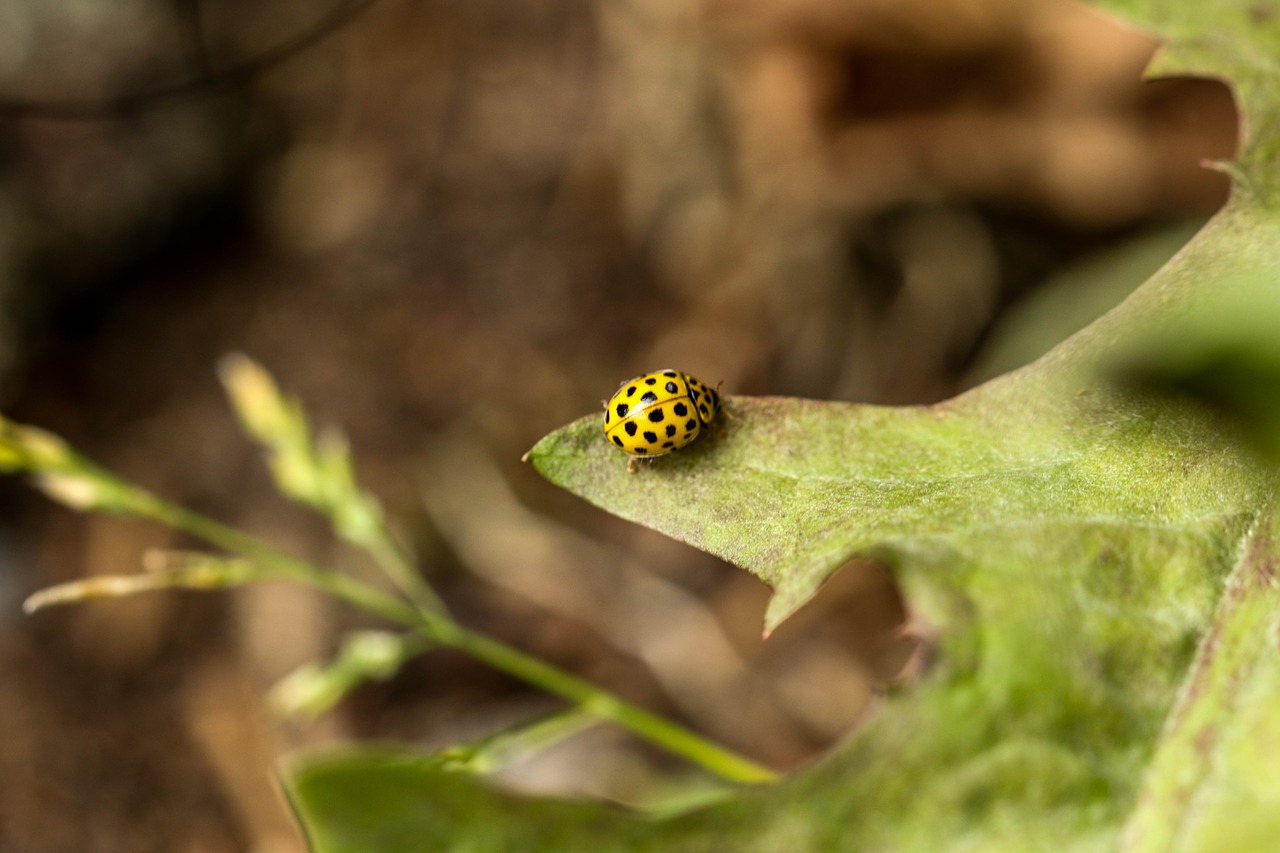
[1226,360]
[793,489]
[1096,557]
[376,800]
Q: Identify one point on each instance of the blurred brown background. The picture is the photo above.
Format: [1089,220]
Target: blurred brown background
[454,227]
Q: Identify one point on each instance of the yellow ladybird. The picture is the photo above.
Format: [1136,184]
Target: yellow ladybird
[658,413]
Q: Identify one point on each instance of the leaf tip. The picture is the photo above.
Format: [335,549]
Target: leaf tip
[538,455]
[780,608]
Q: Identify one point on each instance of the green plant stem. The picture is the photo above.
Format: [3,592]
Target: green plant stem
[653,728]
[442,629]
[393,561]
[501,749]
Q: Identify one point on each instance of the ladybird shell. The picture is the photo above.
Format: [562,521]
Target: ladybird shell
[658,412]
[706,401]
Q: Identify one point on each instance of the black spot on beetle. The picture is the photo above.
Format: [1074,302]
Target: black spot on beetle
[680,409]
[630,427]
[690,424]
[640,451]
[651,437]
[622,408]
[671,430]
[702,407]
[617,440]
[648,397]
[656,415]
[651,380]
[668,444]
[670,373]
[672,387]
[631,390]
